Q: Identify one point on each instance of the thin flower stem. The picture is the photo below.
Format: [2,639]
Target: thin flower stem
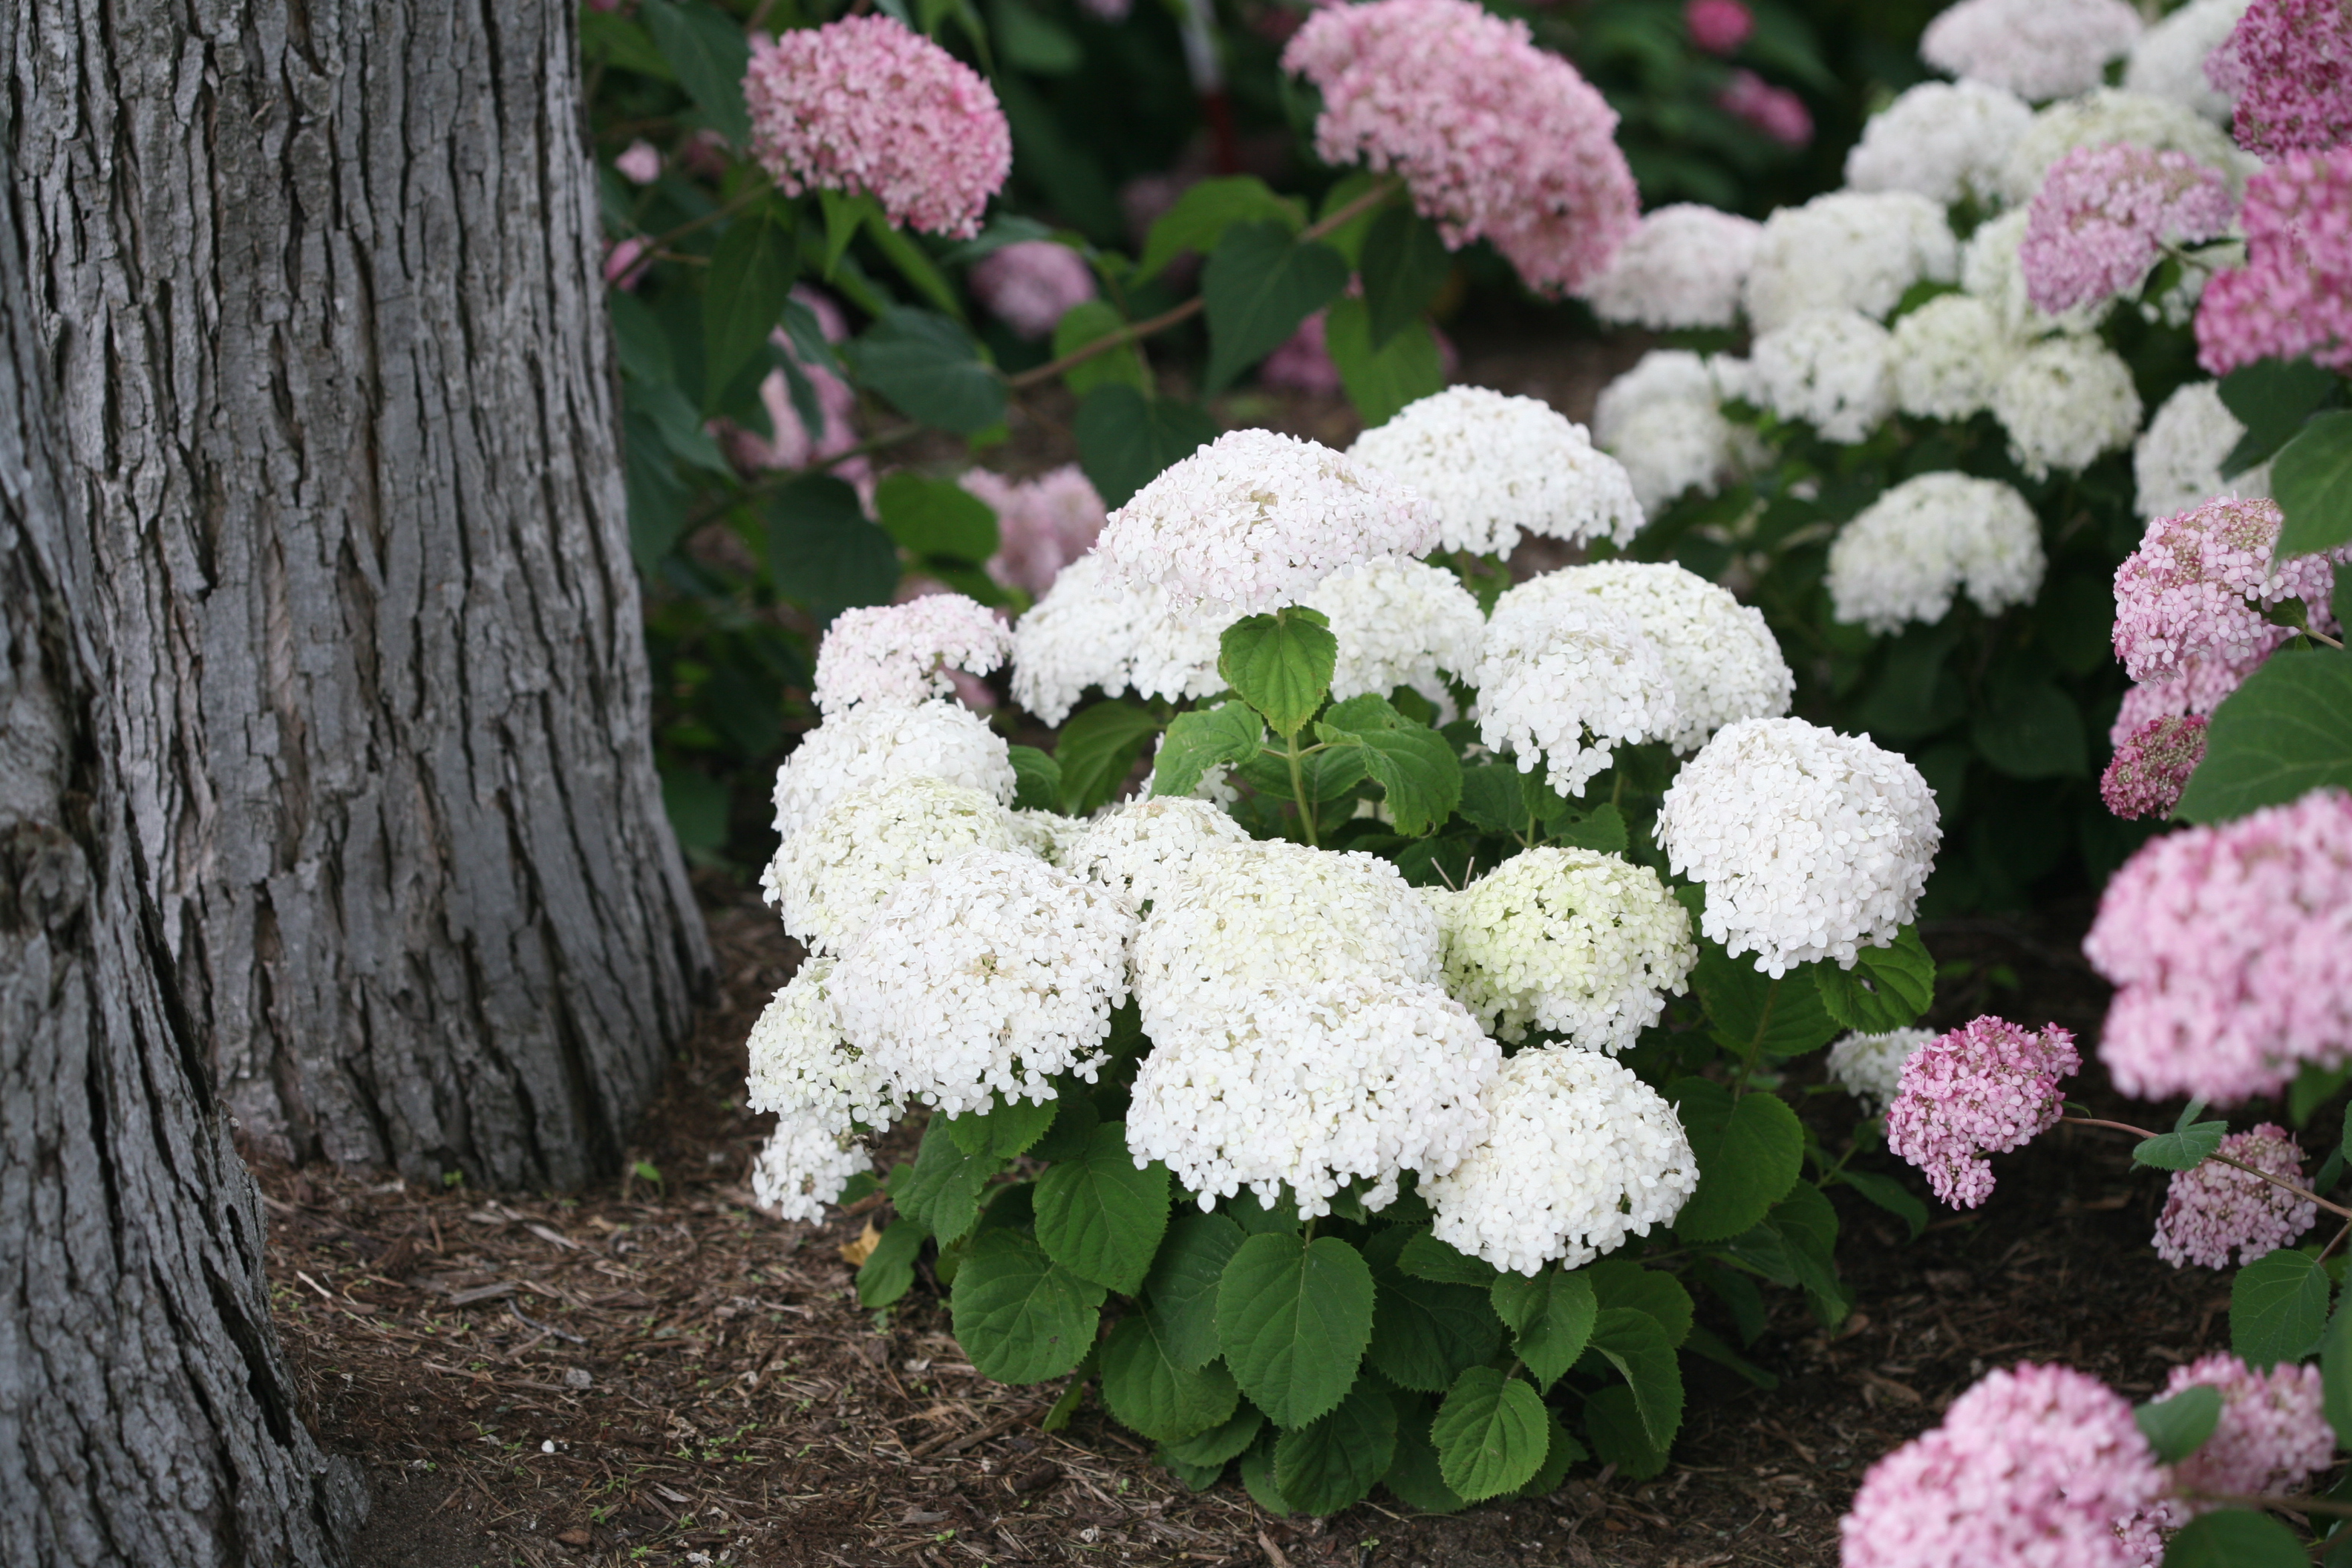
[2334,1242]
[2322,636]
[1298,792]
[2270,1499]
[661,242]
[2337,1209]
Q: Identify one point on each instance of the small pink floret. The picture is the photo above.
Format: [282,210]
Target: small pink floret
[1985,1088]
[1775,111]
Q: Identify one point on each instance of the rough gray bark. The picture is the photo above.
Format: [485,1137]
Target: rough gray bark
[321,304]
[145,1413]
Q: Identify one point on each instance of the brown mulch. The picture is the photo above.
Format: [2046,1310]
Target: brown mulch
[651,1371]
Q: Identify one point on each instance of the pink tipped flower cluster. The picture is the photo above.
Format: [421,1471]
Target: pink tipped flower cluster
[791,444]
[2038,1465]
[2288,63]
[896,655]
[2104,216]
[1029,284]
[1494,137]
[1985,1088]
[2196,584]
[2293,295]
[2231,950]
[2151,767]
[866,107]
[2271,1437]
[1775,111]
[2216,1209]
[1042,524]
[1718,26]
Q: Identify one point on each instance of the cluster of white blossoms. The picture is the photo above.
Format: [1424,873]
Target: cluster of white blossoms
[2168,62]
[1683,266]
[1579,1155]
[1091,629]
[1847,251]
[1830,368]
[2039,49]
[828,880]
[2066,403]
[802,1066]
[1572,940]
[1948,355]
[1143,849]
[1400,622]
[1811,844]
[1907,552]
[1491,467]
[1048,835]
[877,741]
[2110,115]
[1564,680]
[2177,462]
[1943,141]
[1870,1067]
[899,655]
[1663,420]
[803,1167]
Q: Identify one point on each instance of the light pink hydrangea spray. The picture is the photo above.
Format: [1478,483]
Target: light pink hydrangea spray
[2217,1208]
[1042,524]
[2152,765]
[1985,1088]
[2105,214]
[1031,284]
[2197,585]
[2293,296]
[2288,63]
[2271,1437]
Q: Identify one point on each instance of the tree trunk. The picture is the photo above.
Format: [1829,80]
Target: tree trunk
[145,1414]
[322,303]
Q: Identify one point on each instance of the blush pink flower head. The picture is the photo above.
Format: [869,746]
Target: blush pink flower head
[2231,948]
[1718,26]
[2217,1209]
[1042,524]
[2288,63]
[2198,582]
[1495,138]
[2104,216]
[1985,1088]
[864,107]
[1028,285]
[901,655]
[2271,1437]
[2293,295]
[2152,765]
[640,161]
[1775,111]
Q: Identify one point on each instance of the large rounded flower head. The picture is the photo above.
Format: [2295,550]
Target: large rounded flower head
[2231,950]
[1991,270]
[829,880]
[1927,538]
[802,1068]
[2216,1209]
[2110,115]
[2168,62]
[1848,251]
[1398,623]
[1255,519]
[1811,844]
[1490,467]
[2152,764]
[2038,49]
[1985,1088]
[1944,140]
[866,107]
[875,742]
[1579,1155]
[2035,1465]
[2066,404]
[2104,215]
[1684,266]
[2293,296]
[1720,655]
[1495,138]
[2289,65]
[1662,421]
[1832,369]
[2273,1435]
[2198,582]
[1572,940]
[899,654]
[1949,356]
[1143,849]
[2176,461]
[1557,670]
[1092,629]
[1031,283]
[1870,1067]
[1312,1087]
[804,1166]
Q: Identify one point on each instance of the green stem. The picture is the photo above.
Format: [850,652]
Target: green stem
[1298,790]
[2339,1210]
[1756,1045]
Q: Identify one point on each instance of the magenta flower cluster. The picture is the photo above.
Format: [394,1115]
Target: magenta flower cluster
[2217,1209]
[1494,137]
[2197,585]
[864,107]
[2293,296]
[1985,1088]
[1028,284]
[2152,765]
[2288,63]
[2271,1437]
[2104,216]
[1042,524]
[2231,950]
[1718,26]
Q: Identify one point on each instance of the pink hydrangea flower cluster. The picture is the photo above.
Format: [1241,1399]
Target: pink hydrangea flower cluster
[1303,361]
[899,655]
[791,443]
[1494,137]
[2152,765]
[1984,1087]
[2288,63]
[1042,524]
[2196,584]
[2036,1465]
[640,161]
[2197,685]
[2293,296]
[1029,284]
[2271,1437]
[2231,950]
[2215,1209]
[866,107]
[2104,216]
[1775,111]
[1718,26]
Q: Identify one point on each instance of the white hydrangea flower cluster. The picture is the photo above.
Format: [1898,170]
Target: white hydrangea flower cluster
[1663,420]
[1557,670]
[2039,49]
[875,742]
[1683,266]
[2176,461]
[1572,940]
[1143,849]
[2066,403]
[2168,62]
[1907,552]
[1831,368]
[993,973]
[1492,468]
[1943,141]
[1856,250]
[1811,844]
[1400,622]
[2108,115]
[1948,355]
[1720,655]
[1580,1154]
[1870,1067]
[1090,629]
[802,1067]
[899,655]
[1991,270]
[1048,835]
[804,1166]
[829,880]
[1257,518]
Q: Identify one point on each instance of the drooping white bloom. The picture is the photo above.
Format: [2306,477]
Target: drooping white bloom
[2109,115]
[2039,49]
[991,973]
[1580,1154]
[1257,518]
[803,1167]
[1572,940]
[1991,271]
[1869,1067]
[899,654]
[829,880]
[1144,848]
[1948,355]
[1491,467]
[876,741]
[2168,62]
[1831,369]
[1683,266]
[1852,250]
[801,1066]
[1661,419]
[1564,682]
[1048,835]
[1927,538]
[2177,462]
[1811,844]
[1091,629]
[1399,624]
[1944,140]
[2065,403]
[1721,657]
